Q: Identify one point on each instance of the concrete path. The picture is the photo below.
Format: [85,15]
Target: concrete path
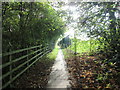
[59,75]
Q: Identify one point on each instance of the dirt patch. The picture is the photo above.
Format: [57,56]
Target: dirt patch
[36,76]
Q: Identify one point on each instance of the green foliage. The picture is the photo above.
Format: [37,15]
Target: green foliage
[53,54]
[100,21]
[27,24]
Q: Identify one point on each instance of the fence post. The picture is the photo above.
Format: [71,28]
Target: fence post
[70,47]
[27,57]
[46,47]
[10,68]
[36,52]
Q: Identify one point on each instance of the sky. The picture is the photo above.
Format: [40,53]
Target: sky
[75,16]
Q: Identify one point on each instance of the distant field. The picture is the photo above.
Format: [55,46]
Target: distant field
[84,46]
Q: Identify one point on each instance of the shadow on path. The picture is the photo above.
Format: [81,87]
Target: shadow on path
[59,75]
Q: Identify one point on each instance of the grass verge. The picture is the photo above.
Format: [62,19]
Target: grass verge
[53,54]
[89,46]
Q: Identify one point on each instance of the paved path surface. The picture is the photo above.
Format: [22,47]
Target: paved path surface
[59,75]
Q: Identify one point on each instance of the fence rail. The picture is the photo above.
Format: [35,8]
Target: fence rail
[39,52]
[17,51]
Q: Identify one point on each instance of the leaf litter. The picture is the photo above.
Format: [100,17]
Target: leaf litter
[88,72]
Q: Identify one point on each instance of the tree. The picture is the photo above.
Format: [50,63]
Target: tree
[99,21]
[27,24]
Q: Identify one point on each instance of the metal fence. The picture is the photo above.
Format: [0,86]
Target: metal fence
[12,68]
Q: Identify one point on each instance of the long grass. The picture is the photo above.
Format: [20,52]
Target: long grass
[53,54]
[84,46]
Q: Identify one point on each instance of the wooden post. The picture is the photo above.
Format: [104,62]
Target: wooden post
[10,68]
[90,44]
[46,47]
[75,41]
[70,47]
[27,57]
[90,41]
[36,52]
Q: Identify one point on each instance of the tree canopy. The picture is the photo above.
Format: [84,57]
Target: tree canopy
[30,23]
[100,20]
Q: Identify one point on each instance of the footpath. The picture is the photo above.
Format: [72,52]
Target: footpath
[59,75]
